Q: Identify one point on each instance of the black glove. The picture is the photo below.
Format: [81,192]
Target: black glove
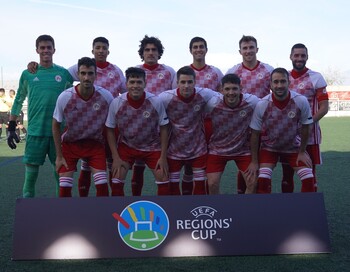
[12,135]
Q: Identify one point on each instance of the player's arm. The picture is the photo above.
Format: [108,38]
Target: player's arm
[323,106]
[32,67]
[303,156]
[56,131]
[252,170]
[162,163]
[118,163]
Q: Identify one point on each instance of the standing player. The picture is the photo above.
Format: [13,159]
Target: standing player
[230,115]
[108,76]
[5,106]
[283,119]
[255,78]
[42,88]
[312,85]
[77,107]
[159,78]
[140,118]
[20,125]
[207,76]
[185,107]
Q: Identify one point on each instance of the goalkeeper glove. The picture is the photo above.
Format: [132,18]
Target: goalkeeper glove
[12,135]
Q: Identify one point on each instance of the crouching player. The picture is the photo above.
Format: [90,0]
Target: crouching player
[142,123]
[230,116]
[80,107]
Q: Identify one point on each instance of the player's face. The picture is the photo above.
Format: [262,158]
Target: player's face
[87,76]
[248,51]
[299,58]
[150,54]
[135,87]
[231,93]
[100,51]
[198,50]
[280,85]
[186,85]
[45,50]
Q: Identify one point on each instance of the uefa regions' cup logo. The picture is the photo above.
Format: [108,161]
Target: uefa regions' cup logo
[143,225]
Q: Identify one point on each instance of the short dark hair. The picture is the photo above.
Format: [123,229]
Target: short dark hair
[135,72]
[100,39]
[2,90]
[298,45]
[86,61]
[42,38]
[230,78]
[198,39]
[151,40]
[280,70]
[186,70]
[247,39]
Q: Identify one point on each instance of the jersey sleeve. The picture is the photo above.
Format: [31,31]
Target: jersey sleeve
[61,103]
[73,70]
[21,95]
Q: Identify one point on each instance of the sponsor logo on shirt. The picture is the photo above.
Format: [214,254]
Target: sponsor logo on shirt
[36,79]
[111,75]
[160,75]
[208,76]
[146,114]
[242,113]
[197,108]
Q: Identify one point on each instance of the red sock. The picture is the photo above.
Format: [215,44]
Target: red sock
[287,184]
[187,187]
[241,186]
[137,180]
[199,187]
[84,183]
[163,188]
[102,189]
[174,188]
[65,192]
[264,186]
[308,185]
[118,189]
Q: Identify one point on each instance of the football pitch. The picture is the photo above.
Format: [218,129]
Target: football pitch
[333,177]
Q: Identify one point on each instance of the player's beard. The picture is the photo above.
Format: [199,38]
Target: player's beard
[299,65]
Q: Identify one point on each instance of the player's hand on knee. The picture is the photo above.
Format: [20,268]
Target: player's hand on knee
[12,135]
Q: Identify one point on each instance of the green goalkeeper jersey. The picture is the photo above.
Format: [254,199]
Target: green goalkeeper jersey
[42,90]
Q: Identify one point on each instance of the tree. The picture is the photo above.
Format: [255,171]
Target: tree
[333,76]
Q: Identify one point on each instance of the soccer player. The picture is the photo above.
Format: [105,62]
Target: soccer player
[283,119]
[255,78]
[20,121]
[207,76]
[159,78]
[5,106]
[42,88]
[110,77]
[230,115]
[312,85]
[185,107]
[78,107]
[141,120]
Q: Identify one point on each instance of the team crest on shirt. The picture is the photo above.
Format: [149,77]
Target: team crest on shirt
[96,106]
[196,108]
[146,114]
[111,75]
[160,75]
[260,75]
[208,76]
[58,78]
[291,114]
[301,85]
[242,113]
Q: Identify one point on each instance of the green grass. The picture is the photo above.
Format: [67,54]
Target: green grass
[333,178]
